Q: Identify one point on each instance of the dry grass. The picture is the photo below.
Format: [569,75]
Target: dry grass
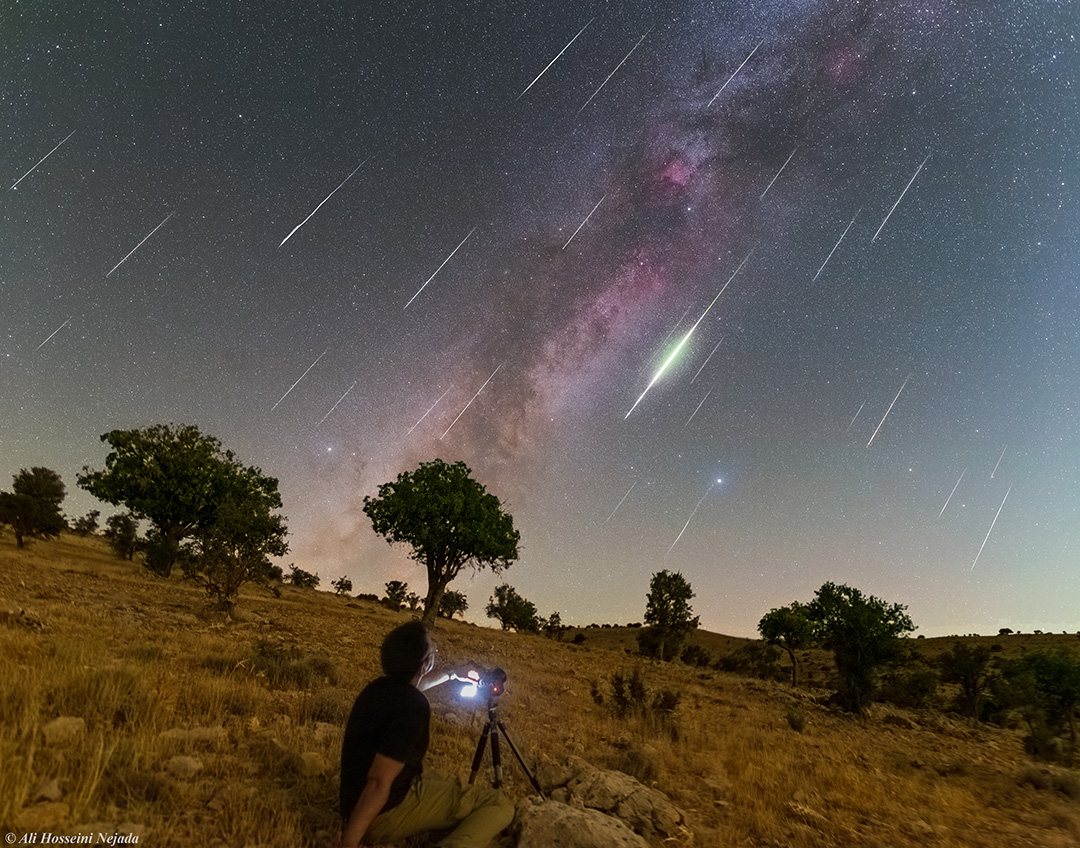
[138,659]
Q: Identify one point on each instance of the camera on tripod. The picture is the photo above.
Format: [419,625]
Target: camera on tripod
[487,685]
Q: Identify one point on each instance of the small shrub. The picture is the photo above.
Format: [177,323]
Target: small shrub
[912,688]
[696,655]
[288,667]
[579,638]
[796,718]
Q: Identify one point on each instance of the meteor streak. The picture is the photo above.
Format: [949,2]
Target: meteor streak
[856,414]
[54,332]
[317,208]
[140,244]
[42,159]
[691,518]
[620,503]
[887,411]
[685,339]
[695,412]
[901,197]
[474,397]
[991,530]
[729,79]
[992,473]
[437,270]
[953,492]
[582,224]
[425,415]
[706,362]
[339,400]
[553,61]
[302,376]
[778,173]
[609,76]
[831,252]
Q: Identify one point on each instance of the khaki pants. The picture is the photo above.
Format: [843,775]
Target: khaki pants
[436,802]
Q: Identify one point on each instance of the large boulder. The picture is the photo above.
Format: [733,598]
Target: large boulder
[551,824]
[648,812]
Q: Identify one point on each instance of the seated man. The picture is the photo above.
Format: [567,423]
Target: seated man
[384,794]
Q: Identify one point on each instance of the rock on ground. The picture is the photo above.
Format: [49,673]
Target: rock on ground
[551,824]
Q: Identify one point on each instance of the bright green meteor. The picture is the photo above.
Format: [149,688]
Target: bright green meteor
[685,339]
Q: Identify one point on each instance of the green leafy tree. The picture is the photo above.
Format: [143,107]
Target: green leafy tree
[175,477]
[397,592]
[86,525]
[668,616]
[122,533]
[233,547]
[553,627]
[790,628]
[412,601]
[452,603]
[449,520]
[303,579]
[32,507]
[969,668]
[863,632]
[1046,685]
[512,611]
[342,586]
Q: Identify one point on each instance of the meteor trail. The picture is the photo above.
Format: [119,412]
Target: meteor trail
[887,411]
[302,376]
[856,414]
[42,159]
[729,79]
[953,492]
[474,397]
[695,412]
[991,530]
[778,173]
[582,224]
[54,332]
[706,362]
[437,270]
[140,244]
[992,473]
[609,76]
[691,518]
[685,339]
[553,61]
[831,252]
[317,208]
[901,197]
[620,503]
[425,415]
[339,400]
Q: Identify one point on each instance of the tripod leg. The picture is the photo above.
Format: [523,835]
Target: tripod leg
[496,760]
[479,755]
[517,755]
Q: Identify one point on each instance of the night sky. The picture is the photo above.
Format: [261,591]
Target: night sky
[890,192]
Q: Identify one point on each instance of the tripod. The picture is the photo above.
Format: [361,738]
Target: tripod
[493,728]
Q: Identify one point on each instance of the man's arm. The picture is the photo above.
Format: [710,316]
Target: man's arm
[372,798]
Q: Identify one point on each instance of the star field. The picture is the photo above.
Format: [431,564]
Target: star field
[345,240]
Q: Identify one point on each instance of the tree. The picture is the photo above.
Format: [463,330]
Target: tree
[342,586]
[412,600]
[32,507]
[668,616]
[969,668]
[863,632]
[87,525]
[234,545]
[396,592]
[449,520]
[174,477]
[512,611]
[1046,683]
[452,603]
[121,531]
[302,579]
[553,627]
[791,628]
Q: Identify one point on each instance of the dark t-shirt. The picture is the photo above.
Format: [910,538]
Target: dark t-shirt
[389,718]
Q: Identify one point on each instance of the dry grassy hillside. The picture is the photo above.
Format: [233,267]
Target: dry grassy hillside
[198,731]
